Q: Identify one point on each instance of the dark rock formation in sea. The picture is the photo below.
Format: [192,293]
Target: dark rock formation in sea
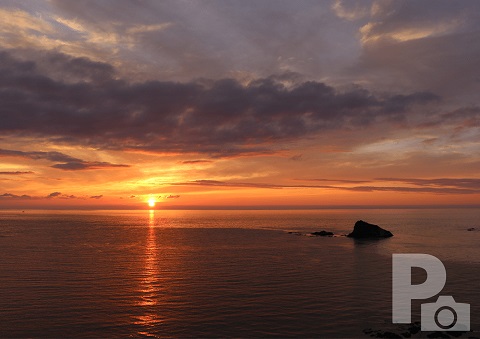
[363,229]
[323,234]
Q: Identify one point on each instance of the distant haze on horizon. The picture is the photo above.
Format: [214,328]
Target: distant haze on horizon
[108,104]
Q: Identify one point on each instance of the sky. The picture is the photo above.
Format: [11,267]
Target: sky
[239,103]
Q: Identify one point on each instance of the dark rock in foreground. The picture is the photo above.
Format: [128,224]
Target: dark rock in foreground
[414,331]
[323,234]
[363,230]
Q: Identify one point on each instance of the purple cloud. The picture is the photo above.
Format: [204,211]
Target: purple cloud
[220,117]
[68,163]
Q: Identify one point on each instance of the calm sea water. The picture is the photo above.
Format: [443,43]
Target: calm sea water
[219,273]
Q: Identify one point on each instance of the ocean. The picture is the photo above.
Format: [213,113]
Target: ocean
[164,273]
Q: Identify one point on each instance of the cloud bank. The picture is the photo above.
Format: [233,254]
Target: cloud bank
[203,116]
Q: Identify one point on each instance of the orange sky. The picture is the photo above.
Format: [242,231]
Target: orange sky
[238,106]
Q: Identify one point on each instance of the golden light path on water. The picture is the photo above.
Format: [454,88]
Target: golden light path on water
[150,284]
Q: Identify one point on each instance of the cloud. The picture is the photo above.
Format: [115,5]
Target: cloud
[218,117]
[74,69]
[16,172]
[199,161]
[463,117]
[338,180]
[173,197]
[403,41]
[413,189]
[53,195]
[21,22]
[416,45]
[409,20]
[62,196]
[469,183]
[148,28]
[439,186]
[84,165]
[351,10]
[296,157]
[52,156]
[68,163]
[269,36]
[216,183]
[6,196]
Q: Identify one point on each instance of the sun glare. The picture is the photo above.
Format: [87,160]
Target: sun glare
[151,202]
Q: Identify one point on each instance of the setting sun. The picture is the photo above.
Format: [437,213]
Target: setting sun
[151,202]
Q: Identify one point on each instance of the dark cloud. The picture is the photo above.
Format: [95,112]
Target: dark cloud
[173,197]
[199,161]
[51,156]
[58,195]
[62,196]
[96,197]
[14,196]
[296,157]
[16,172]
[221,117]
[69,197]
[84,165]
[74,69]
[338,180]
[68,162]
[53,195]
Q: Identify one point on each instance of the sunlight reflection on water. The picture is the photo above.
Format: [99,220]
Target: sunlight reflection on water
[149,288]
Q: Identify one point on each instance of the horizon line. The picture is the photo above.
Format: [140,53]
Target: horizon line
[246,207]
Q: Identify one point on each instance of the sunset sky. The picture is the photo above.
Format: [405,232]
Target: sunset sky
[107,104]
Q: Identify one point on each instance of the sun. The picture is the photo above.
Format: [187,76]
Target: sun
[151,202]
